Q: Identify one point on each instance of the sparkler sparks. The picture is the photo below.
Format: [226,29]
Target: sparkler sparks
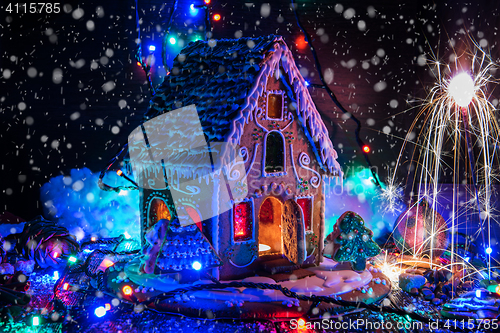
[459,134]
[392,195]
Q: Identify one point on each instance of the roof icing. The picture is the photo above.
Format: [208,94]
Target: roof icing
[224,79]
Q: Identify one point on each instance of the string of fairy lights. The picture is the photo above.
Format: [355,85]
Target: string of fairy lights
[365,149]
[145,62]
[105,307]
[63,287]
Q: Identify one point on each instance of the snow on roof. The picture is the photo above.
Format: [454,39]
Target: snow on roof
[224,79]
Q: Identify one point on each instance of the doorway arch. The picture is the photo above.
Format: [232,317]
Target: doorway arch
[270,214]
[157,211]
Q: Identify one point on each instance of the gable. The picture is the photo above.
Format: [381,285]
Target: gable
[225,78]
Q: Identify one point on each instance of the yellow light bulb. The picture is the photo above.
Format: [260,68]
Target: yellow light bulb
[461,88]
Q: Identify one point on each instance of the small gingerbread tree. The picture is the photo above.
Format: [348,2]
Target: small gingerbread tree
[352,242]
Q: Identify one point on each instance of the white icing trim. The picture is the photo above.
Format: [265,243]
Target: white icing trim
[304,160]
[273,174]
[243,152]
[252,205]
[258,112]
[255,146]
[149,200]
[311,121]
[311,198]
[293,164]
[291,121]
[303,197]
[328,188]
[242,266]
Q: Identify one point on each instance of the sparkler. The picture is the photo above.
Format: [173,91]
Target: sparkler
[456,116]
[391,194]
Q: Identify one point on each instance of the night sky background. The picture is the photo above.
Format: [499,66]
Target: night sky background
[71,90]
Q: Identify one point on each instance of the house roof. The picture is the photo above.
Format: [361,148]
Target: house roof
[224,79]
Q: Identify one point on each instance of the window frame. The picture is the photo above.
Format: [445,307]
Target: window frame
[264,154]
[150,199]
[311,198]
[283,104]
[252,206]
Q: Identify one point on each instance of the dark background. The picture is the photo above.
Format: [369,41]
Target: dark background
[48,127]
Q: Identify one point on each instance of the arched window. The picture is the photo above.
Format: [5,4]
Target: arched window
[158,210]
[275,153]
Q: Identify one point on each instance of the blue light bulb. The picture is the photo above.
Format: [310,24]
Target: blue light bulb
[196,265]
[193,10]
[100,311]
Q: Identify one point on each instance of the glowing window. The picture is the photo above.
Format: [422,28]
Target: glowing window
[275,154]
[158,210]
[242,221]
[275,106]
[306,205]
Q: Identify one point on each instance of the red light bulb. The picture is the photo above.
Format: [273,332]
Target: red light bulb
[127,290]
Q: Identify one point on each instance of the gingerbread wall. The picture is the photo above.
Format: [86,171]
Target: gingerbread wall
[240,257]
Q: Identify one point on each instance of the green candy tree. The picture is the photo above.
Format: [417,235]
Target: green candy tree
[352,242]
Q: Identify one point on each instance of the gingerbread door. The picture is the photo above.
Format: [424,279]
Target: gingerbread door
[293,231]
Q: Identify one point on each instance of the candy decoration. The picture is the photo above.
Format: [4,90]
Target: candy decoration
[44,241]
[351,242]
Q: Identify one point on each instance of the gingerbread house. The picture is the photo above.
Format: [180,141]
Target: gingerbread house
[249,93]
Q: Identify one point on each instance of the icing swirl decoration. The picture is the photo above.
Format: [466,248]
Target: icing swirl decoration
[305,160]
[234,173]
[152,185]
[289,117]
[193,190]
[243,152]
[259,113]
